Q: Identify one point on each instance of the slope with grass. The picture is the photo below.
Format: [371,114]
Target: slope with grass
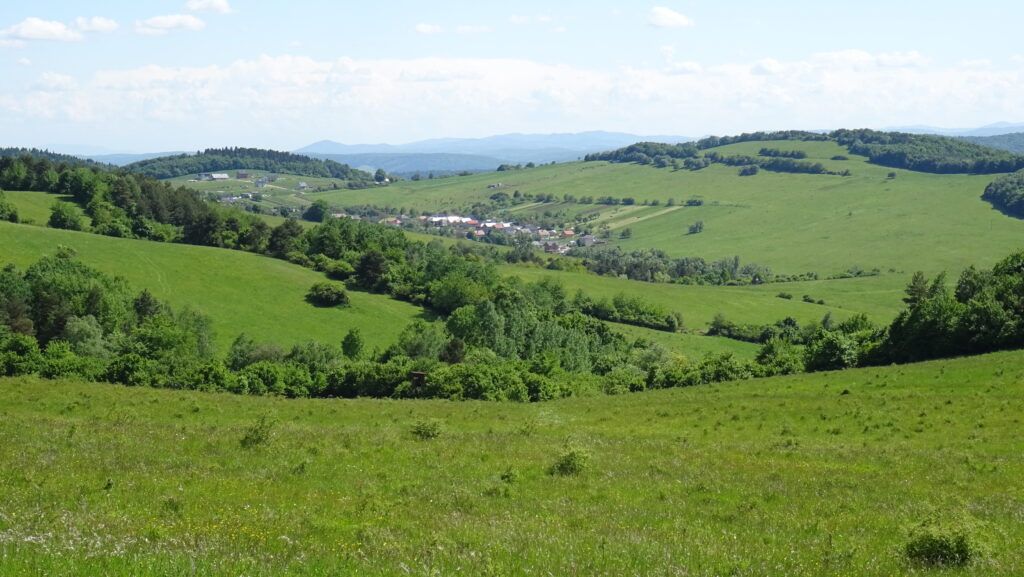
[33,206]
[816,475]
[241,292]
[700,304]
[867,220]
[261,296]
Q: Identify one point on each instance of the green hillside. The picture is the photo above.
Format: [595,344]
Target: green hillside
[265,297]
[793,223]
[33,206]
[241,292]
[823,475]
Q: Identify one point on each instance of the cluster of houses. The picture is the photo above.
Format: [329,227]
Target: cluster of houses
[552,241]
[260,182]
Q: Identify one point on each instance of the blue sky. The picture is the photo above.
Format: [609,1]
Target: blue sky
[189,74]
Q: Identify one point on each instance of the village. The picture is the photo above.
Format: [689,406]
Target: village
[552,241]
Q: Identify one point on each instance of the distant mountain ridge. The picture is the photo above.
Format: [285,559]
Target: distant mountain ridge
[477,154]
[994,129]
[409,164]
[128,158]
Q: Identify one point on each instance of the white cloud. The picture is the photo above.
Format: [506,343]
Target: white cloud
[420,98]
[159,25]
[663,17]
[96,24]
[559,30]
[469,29]
[218,6]
[979,63]
[55,82]
[38,29]
[427,28]
[912,58]
[767,66]
[685,68]
[24,62]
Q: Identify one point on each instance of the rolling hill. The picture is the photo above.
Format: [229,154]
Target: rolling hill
[241,292]
[793,223]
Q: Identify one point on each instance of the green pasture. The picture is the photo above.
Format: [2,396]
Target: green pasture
[700,304]
[814,475]
[793,223]
[241,292]
[34,207]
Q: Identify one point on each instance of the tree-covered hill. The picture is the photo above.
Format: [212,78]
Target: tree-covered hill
[1009,142]
[217,159]
[918,152]
[54,157]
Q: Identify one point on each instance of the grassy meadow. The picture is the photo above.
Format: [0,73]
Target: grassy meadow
[865,220]
[241,292]
[34,207]
[811,475]
[700,304]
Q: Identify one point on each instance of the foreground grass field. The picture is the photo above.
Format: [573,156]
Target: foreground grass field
[810,475]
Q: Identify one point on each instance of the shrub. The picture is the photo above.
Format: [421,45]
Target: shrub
[936,544]
[259,433]
[327,294]
[340,270]
[426,429]
[570,463]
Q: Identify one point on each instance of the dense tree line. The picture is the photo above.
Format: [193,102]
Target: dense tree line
[775,152]
[772,163]
[927,152]
[220,159]
[1006,193]
[653,265]
[524,342]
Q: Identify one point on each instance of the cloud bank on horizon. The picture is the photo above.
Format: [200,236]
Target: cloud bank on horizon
[199,75]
